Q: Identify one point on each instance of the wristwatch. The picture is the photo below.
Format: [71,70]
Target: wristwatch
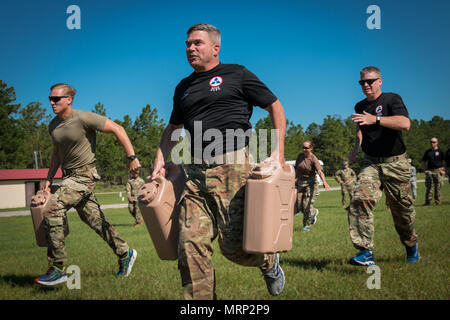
[378,119]
[132,157]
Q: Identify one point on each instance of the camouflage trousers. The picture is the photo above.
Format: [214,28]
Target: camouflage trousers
[346,192]
[133,207]
[213,206]
[307,192]
[433,178]
[76,191]
[393,178]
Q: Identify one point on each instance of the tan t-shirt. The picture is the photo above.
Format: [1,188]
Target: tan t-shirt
[75,137]
[306,167]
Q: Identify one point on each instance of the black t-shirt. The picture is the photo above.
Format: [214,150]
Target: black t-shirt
[380,141]
[221,98]
[434,158]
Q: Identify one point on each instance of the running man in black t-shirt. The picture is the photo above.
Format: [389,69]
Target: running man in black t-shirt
[212,104]
[379,119]
[433,163]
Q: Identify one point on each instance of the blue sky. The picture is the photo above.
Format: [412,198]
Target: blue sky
[131,53]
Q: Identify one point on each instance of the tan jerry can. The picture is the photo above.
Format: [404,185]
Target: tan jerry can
[158,201]
[269,209]
[38,202]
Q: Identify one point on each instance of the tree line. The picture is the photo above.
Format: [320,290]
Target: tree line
[25,140]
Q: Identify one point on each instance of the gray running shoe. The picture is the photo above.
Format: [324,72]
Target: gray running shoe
[275,278]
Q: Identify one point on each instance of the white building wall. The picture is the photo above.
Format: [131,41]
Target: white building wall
[12,194]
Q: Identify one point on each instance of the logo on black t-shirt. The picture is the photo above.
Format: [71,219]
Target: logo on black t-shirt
[215,82]
[379,109]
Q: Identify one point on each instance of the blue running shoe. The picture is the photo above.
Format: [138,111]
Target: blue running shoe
[412,254]
[316,213]
[363,258]
[275,278]
[126,264]
[53,277]
[306,229]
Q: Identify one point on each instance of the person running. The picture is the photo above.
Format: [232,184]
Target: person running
[220,98]
[379,119]
[306,167]
[74,134]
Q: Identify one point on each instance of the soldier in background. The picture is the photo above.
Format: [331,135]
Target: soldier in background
[380,119]
[433,163]
[133,185]
[346,177]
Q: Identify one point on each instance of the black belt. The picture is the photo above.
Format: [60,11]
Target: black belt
[385,159]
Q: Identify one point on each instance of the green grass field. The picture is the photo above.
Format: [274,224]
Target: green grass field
[316,267]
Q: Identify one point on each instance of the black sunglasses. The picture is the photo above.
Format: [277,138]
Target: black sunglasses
[433,141]
[369,81]
[56,98]
[306,147]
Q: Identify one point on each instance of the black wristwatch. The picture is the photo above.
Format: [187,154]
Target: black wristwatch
[132,157]
[378,119]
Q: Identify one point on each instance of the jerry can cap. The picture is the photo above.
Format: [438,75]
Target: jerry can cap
[148,192]
[265,169]
[39,198]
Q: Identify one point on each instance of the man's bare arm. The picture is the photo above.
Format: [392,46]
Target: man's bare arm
[278,118]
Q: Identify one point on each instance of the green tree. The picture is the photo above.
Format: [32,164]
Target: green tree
[148,128]
[110,157]
[312,132]
[332,144]
[33,121]
[294,141]
[11,134]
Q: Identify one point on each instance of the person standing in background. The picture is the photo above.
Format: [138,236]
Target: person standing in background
[346,177]
[433,163]
[133,186]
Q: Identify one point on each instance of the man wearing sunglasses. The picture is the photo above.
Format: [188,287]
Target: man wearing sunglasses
[433,163]
[74,135]
[380,119]
[220,97]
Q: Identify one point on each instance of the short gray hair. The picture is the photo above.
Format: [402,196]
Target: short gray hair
[212,31]
[371,69]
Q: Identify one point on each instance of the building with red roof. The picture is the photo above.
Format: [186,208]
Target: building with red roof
[17,186]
